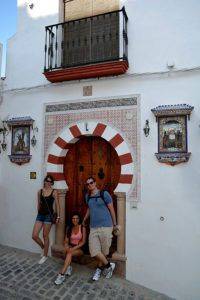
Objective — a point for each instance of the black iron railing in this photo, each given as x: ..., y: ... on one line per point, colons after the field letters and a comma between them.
x: 86, y: 41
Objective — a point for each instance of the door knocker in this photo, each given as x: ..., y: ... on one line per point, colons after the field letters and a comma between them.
x: 101, y: 174
x: 81, y: 168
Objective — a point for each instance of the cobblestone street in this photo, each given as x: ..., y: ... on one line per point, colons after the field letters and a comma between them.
x: 22, y: 278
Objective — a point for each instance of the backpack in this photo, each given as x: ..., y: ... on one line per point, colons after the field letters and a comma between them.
x: 100, y: 196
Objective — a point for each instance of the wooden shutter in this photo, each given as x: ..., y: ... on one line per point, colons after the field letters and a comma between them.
x: 94, y: 39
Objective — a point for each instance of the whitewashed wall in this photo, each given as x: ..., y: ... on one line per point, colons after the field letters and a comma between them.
x: 158, y: 252
x: 159, y: 32
x: 161, y: 255
x: 1, y: 88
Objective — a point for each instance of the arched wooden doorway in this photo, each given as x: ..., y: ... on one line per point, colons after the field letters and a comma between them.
x: 90, y: 156
x: 65, y: 168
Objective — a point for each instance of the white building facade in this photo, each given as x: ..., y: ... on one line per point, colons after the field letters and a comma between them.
x: 157, y: 195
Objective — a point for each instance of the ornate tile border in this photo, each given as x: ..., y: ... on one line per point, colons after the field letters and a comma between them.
x: 173, y: 158
x: 171, y: 110
x: 91, y: 104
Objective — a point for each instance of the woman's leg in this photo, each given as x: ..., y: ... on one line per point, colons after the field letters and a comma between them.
x: 46, y: 231
x: 36, y: 231
x: 68, y: 259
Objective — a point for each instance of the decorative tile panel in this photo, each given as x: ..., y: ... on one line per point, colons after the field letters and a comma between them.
x: 113, y: 112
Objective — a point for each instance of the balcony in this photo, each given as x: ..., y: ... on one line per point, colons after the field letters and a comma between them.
x: 90, y: 47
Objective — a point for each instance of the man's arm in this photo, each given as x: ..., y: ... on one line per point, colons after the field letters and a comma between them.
x: 112, y: 212
x: 86, y: 216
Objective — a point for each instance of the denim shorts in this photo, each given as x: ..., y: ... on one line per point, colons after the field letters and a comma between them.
x: 46, y: 219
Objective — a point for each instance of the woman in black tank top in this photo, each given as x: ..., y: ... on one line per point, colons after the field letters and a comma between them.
x: 46, y: 197
x: 46, y: 203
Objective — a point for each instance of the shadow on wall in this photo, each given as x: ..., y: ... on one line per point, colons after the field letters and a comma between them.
x: 3, y: 205
x: 25, y: 50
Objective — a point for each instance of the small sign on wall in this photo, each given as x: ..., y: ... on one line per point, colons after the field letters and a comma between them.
x: 33, y: 175
x: 87, y: 90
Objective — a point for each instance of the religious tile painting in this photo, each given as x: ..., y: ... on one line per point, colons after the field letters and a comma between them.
x: 172, y: 134
x: 20, y: 140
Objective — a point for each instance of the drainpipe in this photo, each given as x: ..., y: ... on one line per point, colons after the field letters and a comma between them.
x: 1, y: 79
x: 1, y: 89
x: 1, y: 52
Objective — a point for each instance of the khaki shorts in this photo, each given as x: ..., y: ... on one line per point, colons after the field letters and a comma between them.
x: 100, y: 240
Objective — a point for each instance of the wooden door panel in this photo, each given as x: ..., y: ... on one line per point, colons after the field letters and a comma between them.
x: 115, y: 169
x: 100, y: 153
x: 90, y: 156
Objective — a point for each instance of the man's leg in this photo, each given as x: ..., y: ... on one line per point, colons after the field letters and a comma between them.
x: 106, y: 241
x: 95, y: 251
x: 102, y: 260
x: 100, y: 240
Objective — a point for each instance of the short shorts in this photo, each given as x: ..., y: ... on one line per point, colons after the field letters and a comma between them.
x: 82, y: 248
x: 100, y: 240
x: 46, y: 219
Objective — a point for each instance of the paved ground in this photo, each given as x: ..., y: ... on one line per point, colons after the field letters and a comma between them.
x: 22, y: 278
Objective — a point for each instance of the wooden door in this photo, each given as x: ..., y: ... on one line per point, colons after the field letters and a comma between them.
x: 90, y: 156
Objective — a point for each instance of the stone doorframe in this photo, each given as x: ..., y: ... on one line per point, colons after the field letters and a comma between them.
x: 55, y: 167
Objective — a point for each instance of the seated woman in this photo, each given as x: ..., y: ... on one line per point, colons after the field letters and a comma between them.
x: 73, y: 243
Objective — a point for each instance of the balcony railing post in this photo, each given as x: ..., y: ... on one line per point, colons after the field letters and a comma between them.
x: 49, y: 49
x: 125, y: 36
x: 62, y: 46
x: 45, y: 51
x: 56, y: 47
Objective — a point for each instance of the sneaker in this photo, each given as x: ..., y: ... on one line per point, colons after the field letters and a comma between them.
x: 108, y: 272
x: 42, y: 260
x: 69, y: 271
x: 97, y: 274
x: 60, y: 279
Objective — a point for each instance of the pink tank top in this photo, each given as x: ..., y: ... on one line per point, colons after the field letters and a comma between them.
x: 76, y: 238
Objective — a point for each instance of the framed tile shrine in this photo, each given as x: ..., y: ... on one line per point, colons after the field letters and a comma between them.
x: 20, y: 142
x: 172, y: 133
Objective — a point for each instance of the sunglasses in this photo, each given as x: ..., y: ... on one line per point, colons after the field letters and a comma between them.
x: 89, y: 183
x: 48, y: 181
